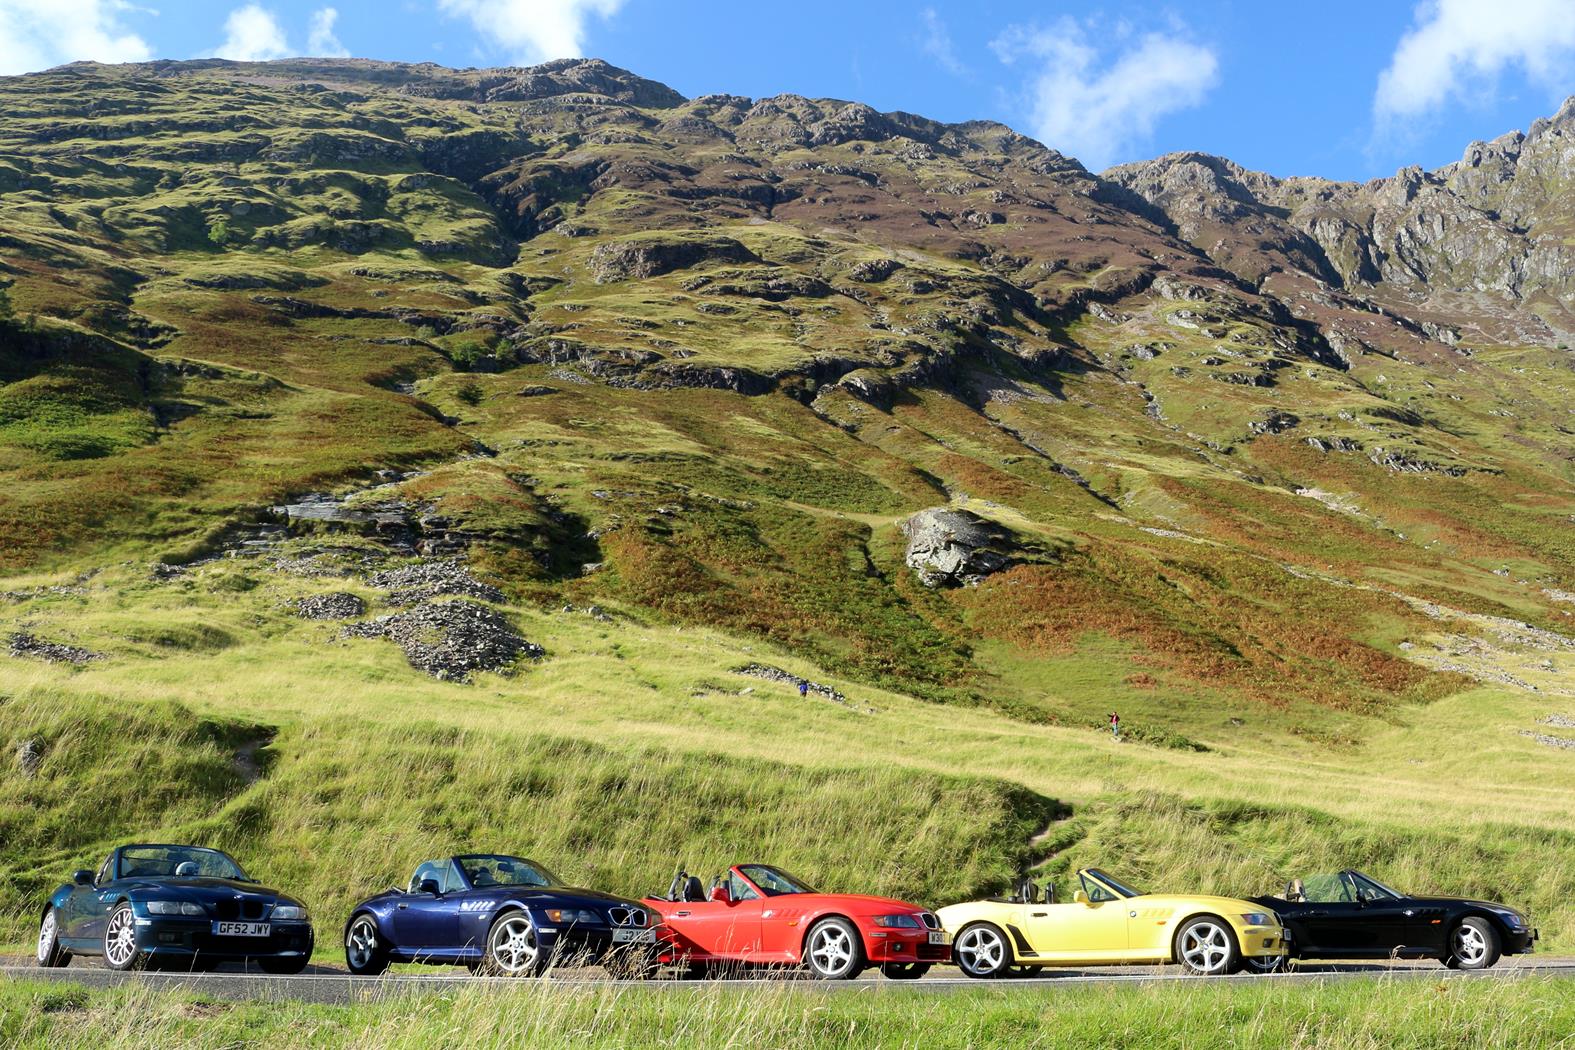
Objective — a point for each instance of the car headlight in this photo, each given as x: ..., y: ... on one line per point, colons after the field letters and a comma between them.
x: 1513, y: 919
x: 290, y: 913
x: 571, y: 915
x: 174, y: 908
x: 901, y: 922
x: 1259, y: 918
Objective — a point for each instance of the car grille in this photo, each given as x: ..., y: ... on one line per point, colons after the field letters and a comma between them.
x: 248, y: 908
x: 624, y: 916
x: 931, y: 921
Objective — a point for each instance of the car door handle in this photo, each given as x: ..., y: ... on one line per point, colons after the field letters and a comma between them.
x: 680, y: 914
x: 1039, y: 914
x: 402, y: 907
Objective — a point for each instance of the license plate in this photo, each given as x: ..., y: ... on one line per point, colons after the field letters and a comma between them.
x: 937, y: 937
x: 624, y: 936
x: 241, y: 929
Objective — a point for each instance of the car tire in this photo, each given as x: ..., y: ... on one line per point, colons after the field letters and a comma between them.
x: 1206, y: 946
x: 833, y: 950
x: 513, y: 946
x: 904, y: 971
x: 365, y: 953
x: 1266, y: 964
x: 50, y: 953
x: 286, y: 967
x: 120, y: 940
x: 1473, y: 945
x: 697, y: 971
x: 981, y: 950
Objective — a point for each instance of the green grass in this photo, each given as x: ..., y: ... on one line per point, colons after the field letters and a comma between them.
x: 1297, y: 1015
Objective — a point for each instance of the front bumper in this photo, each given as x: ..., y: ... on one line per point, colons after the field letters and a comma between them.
x: 895, y: 945
x: 1521, y: 942
x: 172, y: 937
x: 1264, y: 941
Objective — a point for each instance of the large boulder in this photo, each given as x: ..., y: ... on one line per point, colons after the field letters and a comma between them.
x: 949, y: 547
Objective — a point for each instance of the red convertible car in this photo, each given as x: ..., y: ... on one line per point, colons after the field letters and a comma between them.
x: 757, y: 915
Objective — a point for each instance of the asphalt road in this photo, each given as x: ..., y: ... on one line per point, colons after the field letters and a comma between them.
x: 324, y: 984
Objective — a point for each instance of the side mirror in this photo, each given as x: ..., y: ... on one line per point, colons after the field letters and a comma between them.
x: 430, y: 886
x: 720, y: 895
x: 1079, y: 897
x: 82, y: 878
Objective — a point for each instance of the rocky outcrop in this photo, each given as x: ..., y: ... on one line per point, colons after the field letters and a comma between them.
x: 949, y: 547
x: 642, y: 257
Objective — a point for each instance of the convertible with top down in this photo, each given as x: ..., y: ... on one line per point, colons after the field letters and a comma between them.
x: 1350, y: 915
x: 186, y: 907
x: 1109, y: 922
x: 500, y: 914
x: 759, y: 915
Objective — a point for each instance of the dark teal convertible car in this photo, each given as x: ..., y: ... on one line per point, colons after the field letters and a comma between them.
x: 180, y: 907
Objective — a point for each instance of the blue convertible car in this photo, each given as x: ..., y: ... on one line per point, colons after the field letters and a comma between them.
x: 182, y: 906
x: 500, y: 914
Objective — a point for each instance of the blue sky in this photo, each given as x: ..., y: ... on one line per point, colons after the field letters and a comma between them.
x: 1343, y: 88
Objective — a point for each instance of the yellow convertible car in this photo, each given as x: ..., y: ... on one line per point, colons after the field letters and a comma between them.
x: 1109, y: 922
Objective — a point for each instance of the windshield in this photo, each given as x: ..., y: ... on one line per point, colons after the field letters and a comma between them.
x: 485, y: 870
x: 1347, y: 887
x: 1370, y: 889
x: 1097, y: 892
x: 773, y: 882
x: 187, y: 862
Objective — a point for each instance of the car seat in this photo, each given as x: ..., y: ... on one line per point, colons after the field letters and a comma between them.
x: 1296, y: 891
x: 693, y: 892
x: 188, y: 869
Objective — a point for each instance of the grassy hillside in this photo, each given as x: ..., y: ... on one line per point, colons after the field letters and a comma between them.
x: 657, y: 384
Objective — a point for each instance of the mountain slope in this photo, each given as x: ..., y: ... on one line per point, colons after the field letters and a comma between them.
x: 1273, y: 467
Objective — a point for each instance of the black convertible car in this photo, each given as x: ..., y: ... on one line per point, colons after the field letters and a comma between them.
x: 182, y: 906
x: 1354, y: 916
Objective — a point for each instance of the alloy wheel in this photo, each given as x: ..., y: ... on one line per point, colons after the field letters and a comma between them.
x: 361, y: 944
x: 1470, y: 946
x: 980, y: 951
x: 120, y: 939
x: 831, y: 948
x: 1205, y: 947
x: 514, y: 946
x: 46, y: 937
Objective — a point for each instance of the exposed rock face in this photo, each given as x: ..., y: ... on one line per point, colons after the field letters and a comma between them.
x: 948, y: 547
x: 450, y: 640
x: 776, y: 674
x: 1493, y: 221
x: 642, y: 257
x: 338, y: 605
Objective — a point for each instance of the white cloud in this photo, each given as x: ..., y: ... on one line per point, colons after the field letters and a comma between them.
x: 1094, y: 102
x: 1455, y: 45
x: 38, y: 34
x: 531, y: 31
x: 937, y: 43
x: 321, y: 41
x: 253, y: 34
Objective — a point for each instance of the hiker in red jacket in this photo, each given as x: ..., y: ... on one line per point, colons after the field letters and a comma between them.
x: 1115, y: 725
